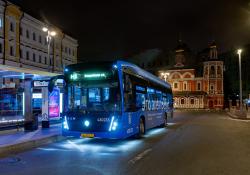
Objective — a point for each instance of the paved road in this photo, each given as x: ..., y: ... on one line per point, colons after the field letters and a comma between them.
x: 194, y: 143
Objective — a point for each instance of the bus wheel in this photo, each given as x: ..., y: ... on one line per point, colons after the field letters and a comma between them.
x: 141, y: 129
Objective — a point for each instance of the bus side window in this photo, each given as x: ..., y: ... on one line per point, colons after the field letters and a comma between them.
x: 140, y: 101
x: 127, y: 84
x: 129, y: 102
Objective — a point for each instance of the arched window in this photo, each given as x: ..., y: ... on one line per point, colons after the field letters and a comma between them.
x: 192, y: 101
x: 182, y: 101
x: 212, y: 71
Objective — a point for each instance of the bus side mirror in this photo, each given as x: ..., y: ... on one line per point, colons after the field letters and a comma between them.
x: 52, y: 82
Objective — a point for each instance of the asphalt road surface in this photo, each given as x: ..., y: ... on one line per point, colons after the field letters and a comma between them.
x: 194, y: 143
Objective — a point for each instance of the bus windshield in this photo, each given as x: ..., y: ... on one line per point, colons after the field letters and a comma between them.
x: 101, y: 96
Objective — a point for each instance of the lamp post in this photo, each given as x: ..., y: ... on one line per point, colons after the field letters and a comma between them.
x: 49, y: 36
x: 239, y: 53
x: 45, y: 105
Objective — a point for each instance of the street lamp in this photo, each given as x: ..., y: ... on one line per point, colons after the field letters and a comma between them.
x: 239, y: 53
x: 49, y: 36
x: 165, y: 75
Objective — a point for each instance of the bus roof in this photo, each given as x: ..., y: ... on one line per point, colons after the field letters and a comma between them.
x: 120, y: 63
x: 143, y: 73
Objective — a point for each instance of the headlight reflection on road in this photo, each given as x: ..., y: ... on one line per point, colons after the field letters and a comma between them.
x: 103, y: 148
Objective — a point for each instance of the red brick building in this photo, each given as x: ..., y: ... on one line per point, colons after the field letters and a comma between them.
x: 196, y: 89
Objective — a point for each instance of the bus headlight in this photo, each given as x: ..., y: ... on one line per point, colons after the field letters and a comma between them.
x: 86, y: 123
x: 65, y: 123
x: 113, y: 124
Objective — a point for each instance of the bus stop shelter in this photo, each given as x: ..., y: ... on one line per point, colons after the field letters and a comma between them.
x: 19, y: 90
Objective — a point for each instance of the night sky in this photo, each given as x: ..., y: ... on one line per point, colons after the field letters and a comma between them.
x: 113, y: 29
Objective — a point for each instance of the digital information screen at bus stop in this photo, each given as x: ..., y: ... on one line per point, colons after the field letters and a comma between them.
x: 54, y: 103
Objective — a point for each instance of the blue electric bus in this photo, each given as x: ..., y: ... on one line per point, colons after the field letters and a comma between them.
x: 113, y: 100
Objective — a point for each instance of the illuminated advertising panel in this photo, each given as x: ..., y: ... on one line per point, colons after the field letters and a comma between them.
x: 54, y: 103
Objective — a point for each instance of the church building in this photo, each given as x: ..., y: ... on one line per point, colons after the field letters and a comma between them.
x: 199, y: 85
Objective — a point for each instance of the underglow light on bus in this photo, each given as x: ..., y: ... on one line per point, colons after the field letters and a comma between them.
x: 61, y: 102
x: 95, y: 75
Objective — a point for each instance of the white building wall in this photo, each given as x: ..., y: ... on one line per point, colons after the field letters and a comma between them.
x: 39, y: 47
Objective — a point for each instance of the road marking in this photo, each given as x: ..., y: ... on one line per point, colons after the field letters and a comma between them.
x: 140, y: 156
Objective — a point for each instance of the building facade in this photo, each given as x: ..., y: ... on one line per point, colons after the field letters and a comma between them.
x: 195, y: 89
x: 24, y: 57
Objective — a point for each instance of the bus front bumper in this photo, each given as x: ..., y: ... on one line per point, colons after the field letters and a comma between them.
x: 107, y: 135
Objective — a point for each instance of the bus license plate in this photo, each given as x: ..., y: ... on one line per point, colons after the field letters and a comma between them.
x: 87, y: 135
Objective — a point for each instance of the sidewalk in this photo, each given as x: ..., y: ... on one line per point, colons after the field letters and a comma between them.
x: 234, y: 116
x: 14, y: 141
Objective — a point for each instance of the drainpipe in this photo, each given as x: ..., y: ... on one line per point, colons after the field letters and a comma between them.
x: 4, y: 21
x: 62, y: 52
x: 20, y: 39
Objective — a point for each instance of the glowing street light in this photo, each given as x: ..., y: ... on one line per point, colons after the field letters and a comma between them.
x: 45, y: 29
x: 165, y: 75
x: 49, y: 36
x: 239, y: 53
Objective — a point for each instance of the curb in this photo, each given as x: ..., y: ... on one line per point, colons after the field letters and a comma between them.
x: 24, y: 146
x: 236, y: 117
